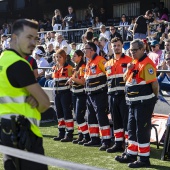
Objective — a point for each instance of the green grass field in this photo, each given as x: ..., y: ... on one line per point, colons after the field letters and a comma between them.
x: 89, y: 155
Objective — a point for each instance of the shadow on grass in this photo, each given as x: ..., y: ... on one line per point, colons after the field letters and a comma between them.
x: 48, y: 124
x: 160, y: 167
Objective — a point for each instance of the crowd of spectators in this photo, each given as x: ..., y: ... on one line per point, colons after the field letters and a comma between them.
x: 157, y: 38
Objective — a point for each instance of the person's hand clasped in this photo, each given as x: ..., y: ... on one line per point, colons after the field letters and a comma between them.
x: 130, y: 66
x: 31, y: 101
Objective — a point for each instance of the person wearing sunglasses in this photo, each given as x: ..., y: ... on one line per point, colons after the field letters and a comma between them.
x: 164, y: 78
x: 141, y: 27
x: 141, y: 90
x: 114, y: 33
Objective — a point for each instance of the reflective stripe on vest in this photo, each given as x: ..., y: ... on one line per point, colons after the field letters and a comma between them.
x: 95, y: 88
x: 8, y: 99
x: 77, y: 90
x: 116, y: 88
x: 114, y: 76
x: 95, y: 76
x: 140, y: 98
x: 62, y: 88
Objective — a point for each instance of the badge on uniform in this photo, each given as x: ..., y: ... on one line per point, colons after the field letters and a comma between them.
x: 108, y: 70
x: 150, y: 70
x: 93, y: 69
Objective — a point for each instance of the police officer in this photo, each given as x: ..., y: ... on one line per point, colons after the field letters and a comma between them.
x: 141, y: 95
x: 115, y: 68
x: 21, y: 96
x: 63, y: 100
x: 97, y: 104
x: 77, y: 82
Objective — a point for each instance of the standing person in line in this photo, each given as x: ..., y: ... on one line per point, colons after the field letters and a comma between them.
x: 115, y: 69
x: 141, y: 27
x: 97, y: 104
x: 21, y: 96
x: 57, y: 20
x: 79, y: 97
x: 141, y: 94
x: 63, y: 100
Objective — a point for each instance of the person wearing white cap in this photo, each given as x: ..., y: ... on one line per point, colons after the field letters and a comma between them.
x: 41, y: 61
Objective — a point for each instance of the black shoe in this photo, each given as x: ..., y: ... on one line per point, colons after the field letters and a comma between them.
x: 58, y: 138
x: 76, y: 141
x: 66, y: 139
x: 83, y: 141
x: 118, y: 156
x: 139, y: 164
x: 104, y: 147
x: 93, y: 143
x: 115, y: 148
x: 125, y: 159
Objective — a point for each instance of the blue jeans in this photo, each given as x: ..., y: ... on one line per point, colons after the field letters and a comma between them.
x: 139, y: 36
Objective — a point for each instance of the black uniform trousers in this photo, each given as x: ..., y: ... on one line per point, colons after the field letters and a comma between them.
x: 97, y: 109
x: 36, y: 147
x: 63, y: 105
x: 79, y: 105
x: 120, y: 111
x: 139, y: 123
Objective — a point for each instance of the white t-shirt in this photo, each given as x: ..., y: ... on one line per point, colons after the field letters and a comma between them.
x: 42, y: 63
x: 63, y: 44
x: 106, y: 35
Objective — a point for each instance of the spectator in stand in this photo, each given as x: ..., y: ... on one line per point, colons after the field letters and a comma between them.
x: 114, y: 33
x: 47, y: 37
x: 97, y: 22
x: 47, y: 25
x: 92, y: 11
x: 41, y: 62
x: 49, y: 53
x: 73, y: 49
x: 106, y: 48
x: 80, y: 46
x: 163, y: 15
x: 61, y: 43
x: 104, y: 32
x: 57, y: 20
x: 52, y: 34
x: 130, y: 30
x: 70, y: 19
x: 166, y: 48
x: 141, y: 27
x: 89, y: 38
x: 5, y: 41
x: 92, y: 30
x: 95, y: 40
x: 102, y: 16
x: 123, y: 22
x: 87, y: 17
x: 146, y: 46
x: 164, y: 78
x: 162, y: 7
x: 155, y: 54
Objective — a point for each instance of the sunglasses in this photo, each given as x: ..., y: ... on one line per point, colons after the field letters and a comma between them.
x: 167, y: 59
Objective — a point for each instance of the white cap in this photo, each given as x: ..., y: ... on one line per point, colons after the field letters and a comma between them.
x: 38, y: 52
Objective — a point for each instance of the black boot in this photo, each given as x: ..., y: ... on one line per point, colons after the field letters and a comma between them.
x: 95, y: 141
x: 86, y: 139
x: 68, y: 137
x: 60, y: 135
x: 80, y: 138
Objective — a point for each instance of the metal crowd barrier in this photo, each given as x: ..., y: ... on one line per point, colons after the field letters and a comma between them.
x: 44, y: 159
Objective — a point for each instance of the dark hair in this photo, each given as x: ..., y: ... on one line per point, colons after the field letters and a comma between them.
x: 95, y: 39
x: 92, y: 45
x: 148, y: 12
x: 19, y: 24
x: 116, y: 39
x: 42, y: 49
x: 73, y: 43
x: 89, y: 35
x: 80, y: 53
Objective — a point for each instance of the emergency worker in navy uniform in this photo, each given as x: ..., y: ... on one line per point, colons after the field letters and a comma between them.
x: 21, y: 96
x: 97, y: 104
x: 141, y: 95
x: 115, y: 69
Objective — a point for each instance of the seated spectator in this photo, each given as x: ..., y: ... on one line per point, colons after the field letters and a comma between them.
x: 73, y: 49
x: 155, y: 54
x: 90, y: 29
x: 106, y: 47
x: 61, y: 43
x: 164, y: 78
x: 97, y: 22
x: 114, y: 33
x: 104, y: 33
x: 95, y: 40
x: 41, y: 62
x: 146, y: 46
x: 5, y: 41
x: 49, y: 53
x: 52, y: 35
x: 130, y: 30
x: 80, y: 46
